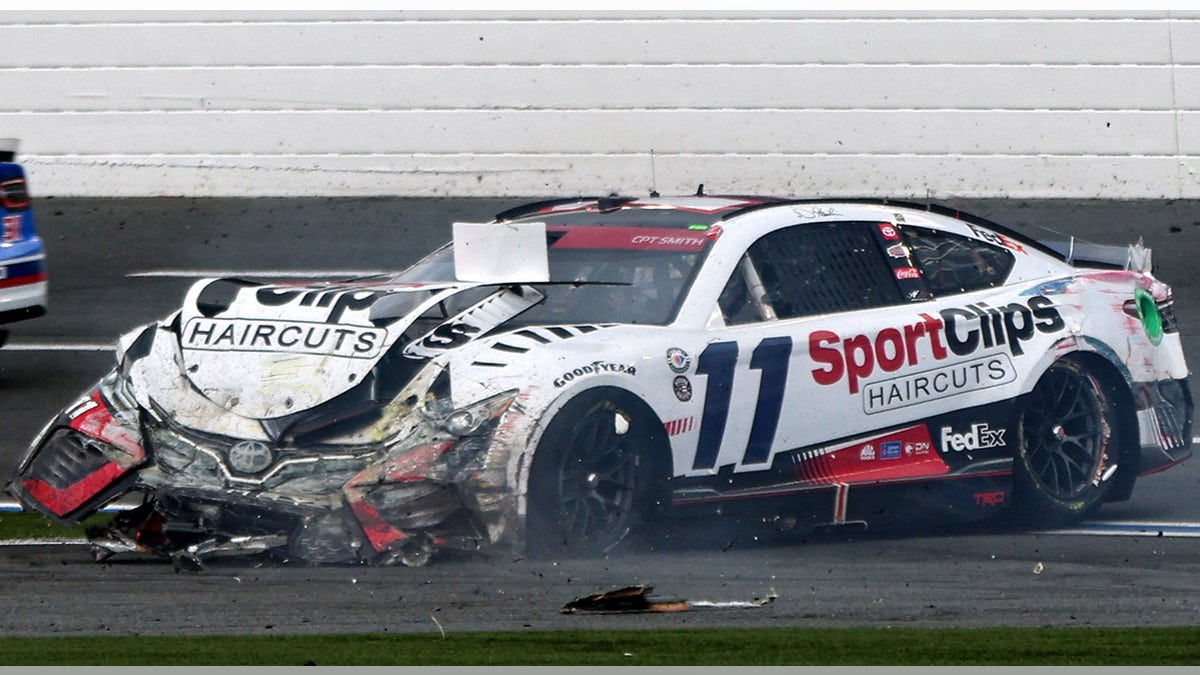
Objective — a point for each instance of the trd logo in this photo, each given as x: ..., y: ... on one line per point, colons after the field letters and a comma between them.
x: 979, y: 437
x: 989, y: 498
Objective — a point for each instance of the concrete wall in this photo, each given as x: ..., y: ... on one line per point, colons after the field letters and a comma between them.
x: 914, y: 104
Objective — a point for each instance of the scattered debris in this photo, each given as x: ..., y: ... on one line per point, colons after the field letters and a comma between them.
x: 623, y: 600
x: 633, y: 599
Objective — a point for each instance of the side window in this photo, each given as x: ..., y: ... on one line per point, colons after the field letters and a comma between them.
x: 954, y: 264
x: 810, y: 269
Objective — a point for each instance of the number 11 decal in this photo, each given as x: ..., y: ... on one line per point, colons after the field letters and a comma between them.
x: 717, y: 361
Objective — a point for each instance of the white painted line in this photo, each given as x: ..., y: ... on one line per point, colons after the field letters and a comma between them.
x: 290, y: 274
x: 10, y: 506
x: 53, y: 347
x: 1164, y: 530
x: 28, y: 258
x: 43, y: 542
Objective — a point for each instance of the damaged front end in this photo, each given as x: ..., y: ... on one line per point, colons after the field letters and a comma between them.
x: 84, y: 458
x: 206, y: 496
x: 231, y: 459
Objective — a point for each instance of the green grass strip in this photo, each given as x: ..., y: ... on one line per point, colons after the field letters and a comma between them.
x: 776, y: 646
x: 27, y: 525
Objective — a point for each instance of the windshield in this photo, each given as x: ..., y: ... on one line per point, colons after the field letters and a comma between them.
x: 601, y: 274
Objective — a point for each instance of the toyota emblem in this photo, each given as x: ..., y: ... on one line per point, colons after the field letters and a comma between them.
x: 250, y: 456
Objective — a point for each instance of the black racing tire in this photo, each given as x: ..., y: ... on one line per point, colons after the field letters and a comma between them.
x: 1068, y: 438
x: 595, y: 477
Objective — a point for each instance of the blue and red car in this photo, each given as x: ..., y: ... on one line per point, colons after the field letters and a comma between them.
x: 23, y: 284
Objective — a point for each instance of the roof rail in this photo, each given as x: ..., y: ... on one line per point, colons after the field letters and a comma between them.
x: 938, y: 209
x: 531, y: 208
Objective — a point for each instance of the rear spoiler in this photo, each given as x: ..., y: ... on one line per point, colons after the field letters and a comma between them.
x: 8, y: 149
x: 1135, y: 257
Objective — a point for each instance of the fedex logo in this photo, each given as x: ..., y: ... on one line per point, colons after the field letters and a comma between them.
x: 997, y: 239
x: 979, y: 437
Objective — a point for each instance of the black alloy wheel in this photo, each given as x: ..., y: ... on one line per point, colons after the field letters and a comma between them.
x: 1068, y: 446
x: 590, y: 483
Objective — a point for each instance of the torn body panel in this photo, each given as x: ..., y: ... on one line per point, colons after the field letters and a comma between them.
x: 85, y: 458
x: 358, y: 486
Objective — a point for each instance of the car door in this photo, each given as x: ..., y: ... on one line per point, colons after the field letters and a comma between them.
x: 831, y: 286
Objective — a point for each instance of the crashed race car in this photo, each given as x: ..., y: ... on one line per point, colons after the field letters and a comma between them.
x: 561, y: 377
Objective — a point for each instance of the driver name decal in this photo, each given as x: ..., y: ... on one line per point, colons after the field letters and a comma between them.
x: 631, y: 238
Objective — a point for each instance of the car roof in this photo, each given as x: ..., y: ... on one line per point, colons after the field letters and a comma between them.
x: 691, y: 210
x: 706, y: 210
x: 617, y: 210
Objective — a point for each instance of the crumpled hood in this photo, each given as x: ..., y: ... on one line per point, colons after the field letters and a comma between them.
x: 265, y: 351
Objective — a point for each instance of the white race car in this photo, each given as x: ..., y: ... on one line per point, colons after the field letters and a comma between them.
x: 558, y: 378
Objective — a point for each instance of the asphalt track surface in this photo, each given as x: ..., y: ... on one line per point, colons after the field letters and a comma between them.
x: 115, y: 264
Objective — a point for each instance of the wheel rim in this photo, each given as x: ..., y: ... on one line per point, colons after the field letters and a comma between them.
x: 1064, y: 433
x: 597, y: 479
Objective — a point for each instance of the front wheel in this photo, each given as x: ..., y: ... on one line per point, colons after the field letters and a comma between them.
x: 1068, y: 441
x: 593, y: 480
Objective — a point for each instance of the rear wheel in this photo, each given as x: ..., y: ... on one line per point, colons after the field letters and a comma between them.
x: 1068, y: 439
x: 593, y: 479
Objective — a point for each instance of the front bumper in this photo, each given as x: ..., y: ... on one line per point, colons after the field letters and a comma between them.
x: 333, y: 504
x: 23, y: 285
x: 429, y: 488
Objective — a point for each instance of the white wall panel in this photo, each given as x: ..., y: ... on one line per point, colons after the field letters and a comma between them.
x: 616, y: 132
x: 838, y: 87
x: 586, y: 41
x: 904, y: 104
x: 916, y: 177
